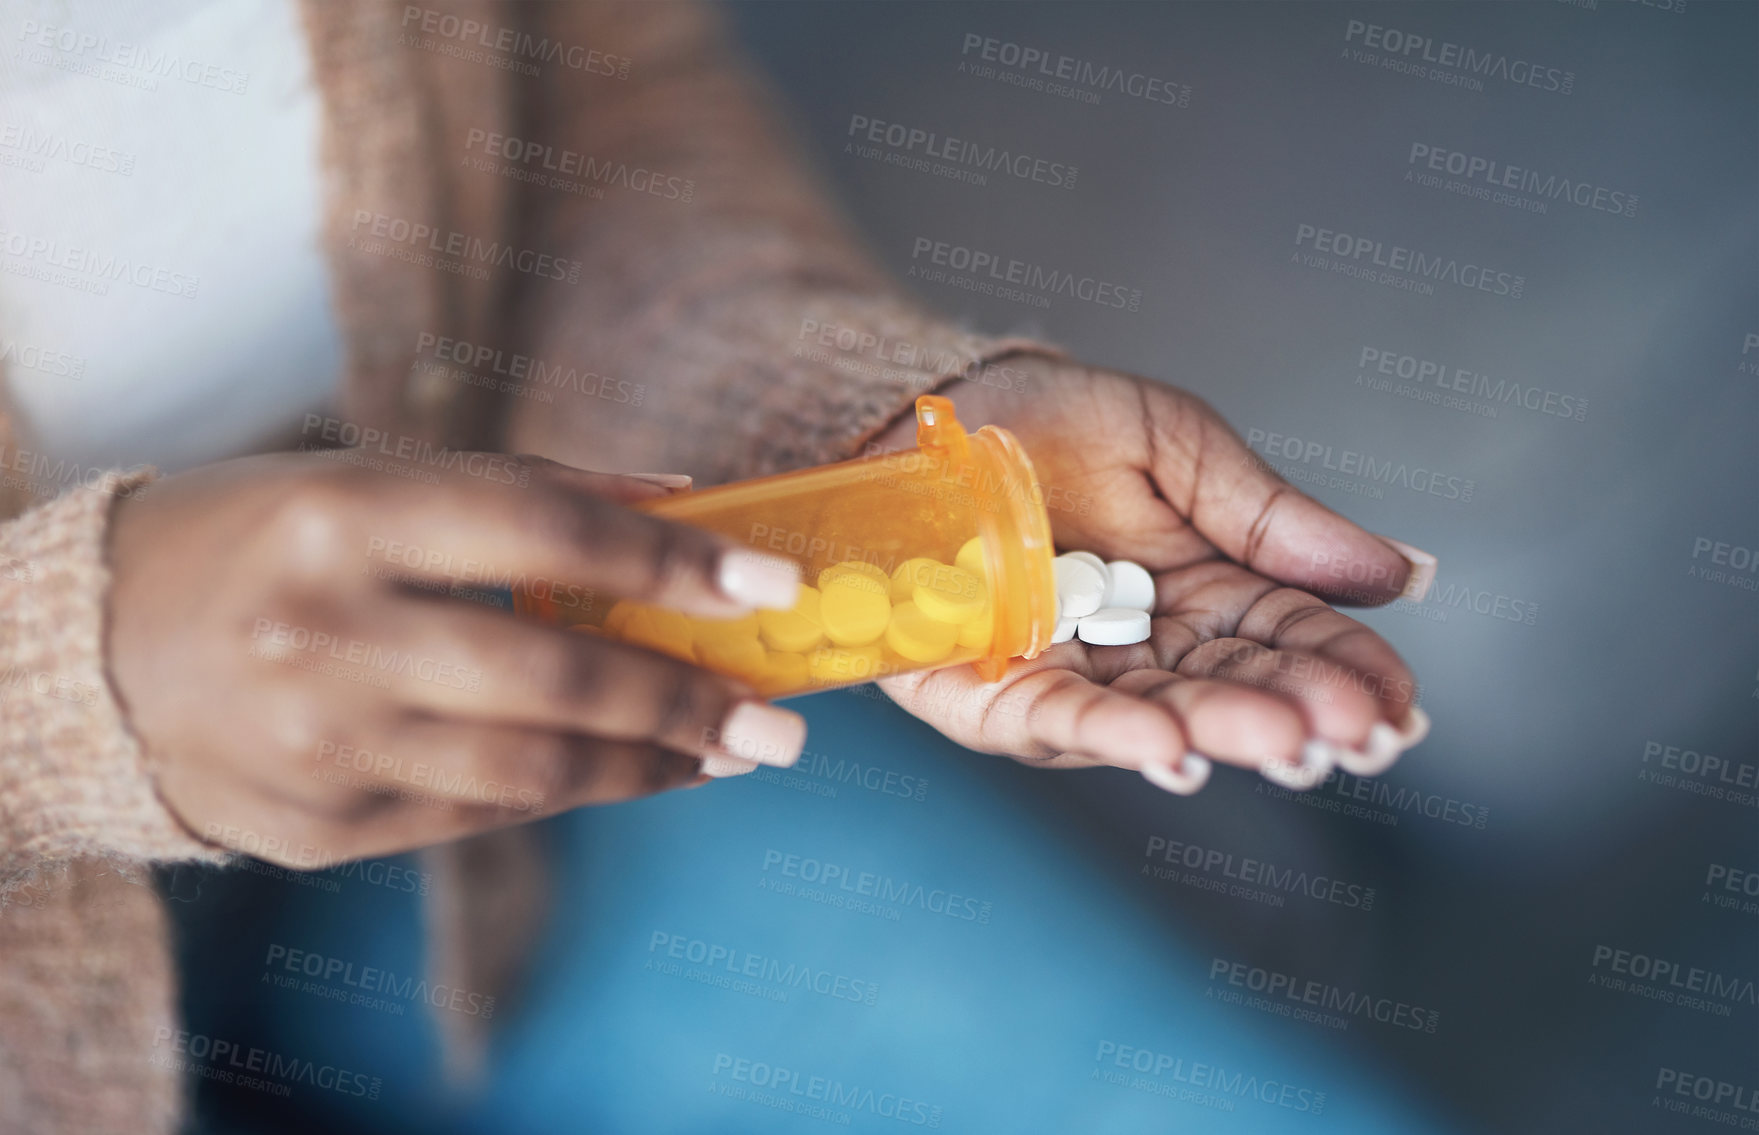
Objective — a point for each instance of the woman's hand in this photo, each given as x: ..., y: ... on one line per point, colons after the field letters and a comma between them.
x: 1245, y: 664
x: 282, y: 638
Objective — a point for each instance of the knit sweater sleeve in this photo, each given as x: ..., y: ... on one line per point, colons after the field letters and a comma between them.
x: 73, y: 779
x: 741, y: 327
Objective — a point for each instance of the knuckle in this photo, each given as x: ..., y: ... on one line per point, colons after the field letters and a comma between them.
x: 566, y: 672
x: 550, y: 765
x: 677, y: 557
x: 687, y: 705
x: 312, y: 523
x: 568, y: 520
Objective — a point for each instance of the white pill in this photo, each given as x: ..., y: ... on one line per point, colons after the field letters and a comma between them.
x: 1091, y: 560
x: 1080, y: 587
x: 1130, y: 586
x: 1114, y: 626
x: 1065, y: 630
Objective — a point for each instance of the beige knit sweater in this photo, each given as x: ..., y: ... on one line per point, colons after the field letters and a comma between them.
x: 701, y: 302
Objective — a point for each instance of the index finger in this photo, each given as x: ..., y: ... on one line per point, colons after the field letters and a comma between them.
x: 541, y: 519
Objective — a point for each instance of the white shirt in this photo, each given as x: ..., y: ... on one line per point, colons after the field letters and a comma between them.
x: 164, y: 296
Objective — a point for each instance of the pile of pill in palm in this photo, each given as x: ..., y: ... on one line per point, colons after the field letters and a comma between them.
x: 1100, y: 603
x: 857, y: 622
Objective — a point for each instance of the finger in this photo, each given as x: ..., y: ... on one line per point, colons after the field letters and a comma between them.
x: 1042, y: 711
x: 1251, y: 514
x: 556, y: 526
x: 1232, y: 723
x: 458, y: 660
x: 1361, y: 660
x: 1334, y: 712
x: 585, y: 771
x: 1220, y: 600
x: 520, y: 769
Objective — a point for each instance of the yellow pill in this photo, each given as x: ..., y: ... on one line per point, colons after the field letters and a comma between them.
x: 977, y: 633
x: 665, y: 631
x: 844, y: 664
x: 917, y: 637
x: 970, y: 555
x: 783, y: 672
x: 952, y: 595
x: 618, y: 615
x: 909, y: 574
x: 795, y: 631
x: 740, y: 657
x: 724, y: 630
x: 853, y: 612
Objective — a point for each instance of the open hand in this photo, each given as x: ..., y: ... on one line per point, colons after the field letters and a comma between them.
x: 1246, y: 663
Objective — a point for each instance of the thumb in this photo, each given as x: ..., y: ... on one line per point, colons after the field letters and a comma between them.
x: 1242, y: 506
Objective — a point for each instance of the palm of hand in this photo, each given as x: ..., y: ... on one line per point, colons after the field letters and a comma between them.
x: 1242, y: 665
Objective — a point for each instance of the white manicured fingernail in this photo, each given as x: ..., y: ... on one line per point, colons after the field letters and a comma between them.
x: 1318, y: 758
x: 759, y: 733
x: 1415, y: 729
x: 757, y: 580
x: 672, y: 481
x: 1376, y: 756
x: 1423, y: 567
x: 719, y: 767
x: 1183, y: 779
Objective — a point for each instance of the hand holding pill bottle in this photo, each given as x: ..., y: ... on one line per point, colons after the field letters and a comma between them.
x: 920, y: 559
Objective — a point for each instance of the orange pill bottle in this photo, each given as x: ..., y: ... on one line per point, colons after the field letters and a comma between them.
x: 913, y: 560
